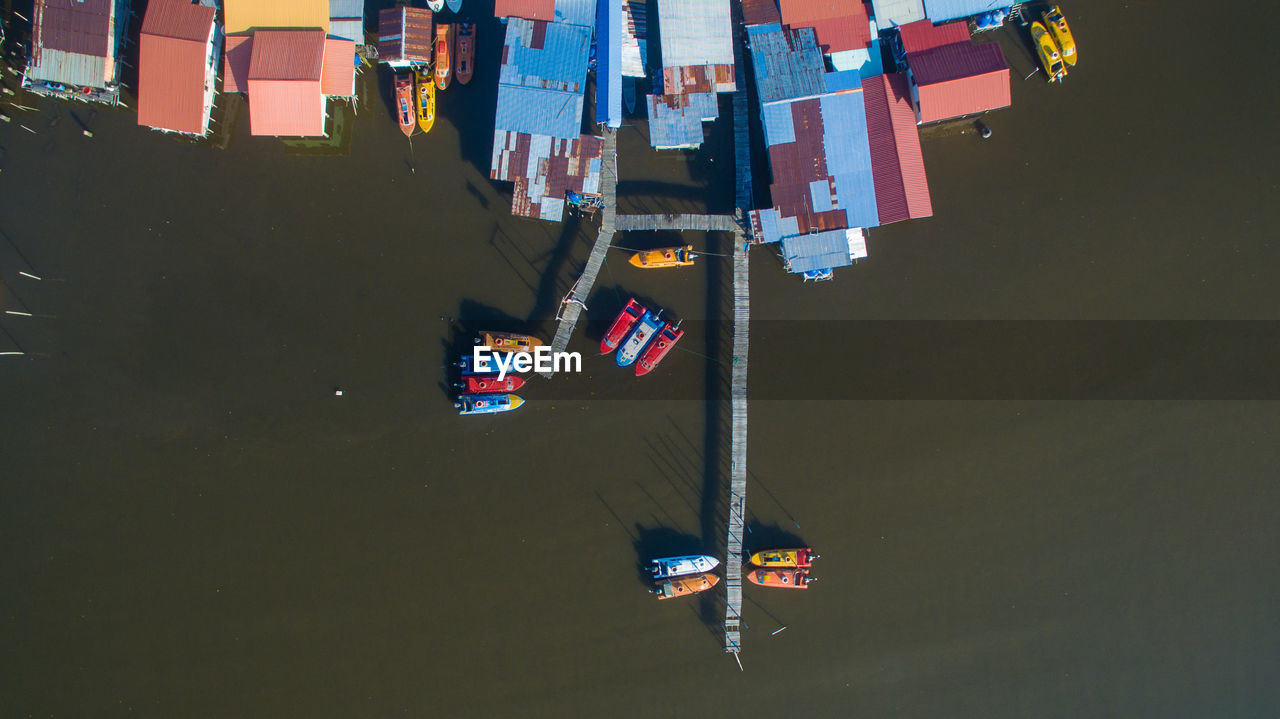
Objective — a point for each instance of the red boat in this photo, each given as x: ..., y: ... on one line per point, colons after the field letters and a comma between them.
x: 626, y: 319
x: 659, y: 348
x: 489, y: 383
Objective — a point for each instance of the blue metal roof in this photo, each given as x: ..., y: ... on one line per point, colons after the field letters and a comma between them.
x: 346, y: 9
x: 539, y: 112
x: 787, y: 65
x: 609, y: 64
x: 818, y: 251
x: 576, y: 12
x: 679, y: 127
x: 560, y: 64
x: 848, y: 154
x: 896, y: 12
x: 942, y: 10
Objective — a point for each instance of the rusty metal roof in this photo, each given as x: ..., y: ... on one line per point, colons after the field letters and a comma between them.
x: 404, y: 34
x: 79, y: 26
x: 760, y: 12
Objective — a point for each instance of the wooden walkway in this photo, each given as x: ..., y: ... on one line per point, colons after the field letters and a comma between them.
x: 704, y: 223
x: 576, y: 301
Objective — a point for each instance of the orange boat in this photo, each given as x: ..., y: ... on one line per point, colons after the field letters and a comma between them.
x: 508, y: 341
x: 466, y: 51
x: 444, y: 55
x: 685, y: 586
x: 404, y: 103
x: 791, y: 578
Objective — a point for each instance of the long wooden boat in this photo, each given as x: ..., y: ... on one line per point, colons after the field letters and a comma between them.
x: 665, y: 257
x: 667, y: 338
x: 685, y: 586
x: 1057, y: 24
x: 426, y: 99
x: 622, y: 324
x: 404, y: 103
x: 508, y: 341
x: 638, y: 338
x: 782, y: 578
x: 490, y: 384
x: 444, y: 55
x: 798, y: 557
x: 465, y: 51
x: 1050, y: 58
x: 487, y: 403
x: 668, y: 567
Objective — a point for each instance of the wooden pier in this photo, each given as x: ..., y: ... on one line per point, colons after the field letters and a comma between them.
x: 704, y: 223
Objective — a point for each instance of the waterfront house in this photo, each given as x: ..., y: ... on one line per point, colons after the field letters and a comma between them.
x: 609, y: 35
x: 405, y: 36
x: 75, y: 49
x: 958, y: 80
x: 573, y: 12
x: 346, y: 20
x: 892, y: 13
x: 760, y: 12
x: 696, y: 47
x: 943, y: 10
x: 897, y: 164
x: 924, y: 35
x: 178, y: 58
x: 844, y: 30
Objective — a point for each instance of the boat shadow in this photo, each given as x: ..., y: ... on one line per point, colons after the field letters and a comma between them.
x: 653, y: 542
x: 760, y: 537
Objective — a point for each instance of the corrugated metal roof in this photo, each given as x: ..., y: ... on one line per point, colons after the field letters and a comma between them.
x: 172, y: 69
x: 940, y: 10
x: 556, y: 113
x: 338, y: 77
x: 959, y: 60
x: 178, y: 19
x: 817, y: 251
x: 405, y: 34
x: 675, y: 121
x: 544, y: 169
x: 897, y: 165
x: 527, y: 9
x: 287, y: 55
x: 82, y: 27
x: 576, y: 12
x: 237, y: 52
x: 866, y: 62
x: 346, y: 9
x: 558, y: 63
x: 242, y: 15
x: 964, y: 96
x: 609, y: 64
x: 695, y: 33
x: 924, y: 35
x: 634, y: 37
x: 287, y: 108
x: 840, y: 24
x: 347, y: 29
x: 72, y: 68
x: 760, y: 12
x: 896, y: 12
x: 787, y: 63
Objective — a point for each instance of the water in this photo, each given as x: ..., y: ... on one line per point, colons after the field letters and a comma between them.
x: 195, y: 526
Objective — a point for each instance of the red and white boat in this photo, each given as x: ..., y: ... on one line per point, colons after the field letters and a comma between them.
x: 489, y: 383
x: 657, y: 349
x: 625, y: 320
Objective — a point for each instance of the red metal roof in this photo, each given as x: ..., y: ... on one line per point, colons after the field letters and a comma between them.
x: 236, y: 54
x: 897, y: 165
x: 171, y: 66
x: 287, y: 55
x: 81, y: 26
x: 288, y: 108
x: 528, y: 9
x: 839, y: 24
x: 923, y: 35
x: 960, y: 79
x: 760, y: 12
x: 339, y: 73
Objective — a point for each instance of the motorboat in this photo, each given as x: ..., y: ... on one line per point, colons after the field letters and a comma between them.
x: 782, y: 578
x: 487, y: 403
x: 490, y: 384
x: 508, y: 341
x: 426, y: 99
x: 665, y: 257
x: 622, y: 324
x: 638, y: 338
x: 667, y: 338
x: 1050, y: 58
x: 685, y: 586
x: 404, y: 103
x: 1057, y: 24
x: 465, y: 51
x: 444, y: 55
x: 799, y: 557
x: 668, y: 567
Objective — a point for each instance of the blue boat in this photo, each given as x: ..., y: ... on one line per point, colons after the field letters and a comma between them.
x: 487, y: 403
x: 644, y: 332
x: 465, y: 365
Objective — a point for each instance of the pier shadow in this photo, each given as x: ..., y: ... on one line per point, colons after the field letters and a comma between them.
x: 553, y: 284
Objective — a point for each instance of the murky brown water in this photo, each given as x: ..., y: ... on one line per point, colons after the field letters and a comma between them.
x: 194, y: 526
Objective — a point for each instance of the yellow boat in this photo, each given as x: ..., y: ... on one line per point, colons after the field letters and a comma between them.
x: 665, y: 257
x: 1050, y: 58
x: 426, y: 100
x: 508, y: 341
x: 799, y: 557
x: 1061, y: 34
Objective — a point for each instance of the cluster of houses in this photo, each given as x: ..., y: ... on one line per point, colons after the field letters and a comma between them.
x: 289, y: 57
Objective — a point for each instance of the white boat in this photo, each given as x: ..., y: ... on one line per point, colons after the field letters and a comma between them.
x: 667, y: 567
x: 435, y: 5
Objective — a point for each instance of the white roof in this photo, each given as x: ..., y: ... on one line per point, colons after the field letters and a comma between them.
x: 695, y: 32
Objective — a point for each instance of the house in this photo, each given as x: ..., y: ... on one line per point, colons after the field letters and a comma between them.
x: 574, y: 12
x: 891, y: 13
x: 346, y: 20
x: 943, y: 10
x: 75, y: 49
x: 958, y: 80
x: 177, y: 66
x: 697, y: 62
x: 897, y: 164
x: 609, y: 35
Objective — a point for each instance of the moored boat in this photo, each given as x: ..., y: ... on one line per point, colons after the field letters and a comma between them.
x: 464, y: 365
x: 465, y: 51
x: 685, y: 586
x: 444, y: 55
x: 1057, y: 24
x: 653, y: 354
x: 487, y: 403
x: 1050, y: 58
x: 490, y: 384
x: 454, y: 5
x: 638, y: 338
x: 783, y: 578
x: 799, y: 557
x: 665, y: 257
x: 508, y: 341
x: 426, y: 100
x: 622, y: 324
x: 668, y: 567
x: 435, y: 5
x: 404, y: 103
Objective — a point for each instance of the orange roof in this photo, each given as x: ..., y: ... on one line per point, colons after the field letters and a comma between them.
x: 171, y: 67
x: 839, y: 24
x: 286, y: 107
x: 242, y: 15
x: 338, y: 76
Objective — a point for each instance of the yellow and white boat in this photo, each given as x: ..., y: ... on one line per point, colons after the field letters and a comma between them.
x: 426, y: 100
x: 1061, y: 34
x: 665, y: 257
x: 1050, y: 58
x: 508, y: 341
x: 798, y: 557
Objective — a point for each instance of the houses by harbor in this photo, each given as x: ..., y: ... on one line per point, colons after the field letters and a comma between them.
x: 75, y: 49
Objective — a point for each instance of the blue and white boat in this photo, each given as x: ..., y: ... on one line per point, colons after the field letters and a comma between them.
x: 487, y: 403
x: 680, y: 566
x: 644, y: 332
x: 464, y: 364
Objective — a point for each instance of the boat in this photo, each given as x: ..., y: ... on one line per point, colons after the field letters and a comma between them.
x: 466, y: 371
x: 435, y: 5
x: 1057, y: 25
x: 465, y: 51
x: 665, y: 257
x: 487, y: 403
x: 668, y: 567
x: 1050, y: 58
x: 444, y: 55
x: 490, y: 384
x: 639, y: 336
x: 685, y: 586
x: 508, y: 341
x: 426, y: 100
x: 798, y: 557
x: 454, y: 5
x: 404, y: 103
x: 782, y: 578
x: 653, y: 354
x: 622, y: 324
x: 629, y: 95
